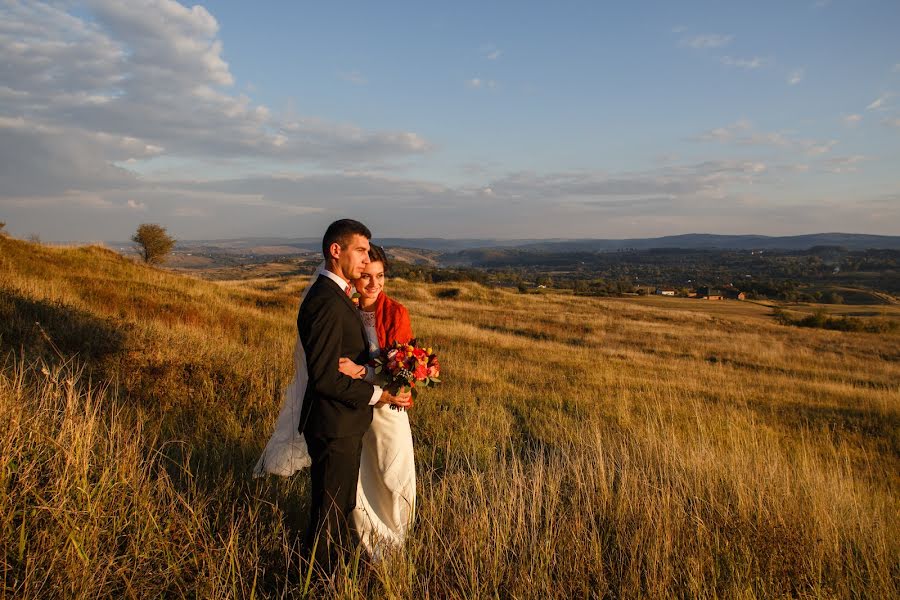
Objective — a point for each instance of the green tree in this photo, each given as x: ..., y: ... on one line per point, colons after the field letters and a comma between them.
x: 581, y: 286
x: 154, y: 242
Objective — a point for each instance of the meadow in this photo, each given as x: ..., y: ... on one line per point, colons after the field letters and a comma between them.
x: 579, y: 447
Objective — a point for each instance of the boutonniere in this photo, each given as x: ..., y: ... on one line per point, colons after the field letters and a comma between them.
x: 355, y: 299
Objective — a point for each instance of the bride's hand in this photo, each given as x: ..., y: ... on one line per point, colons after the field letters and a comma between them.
x: 351, y: 369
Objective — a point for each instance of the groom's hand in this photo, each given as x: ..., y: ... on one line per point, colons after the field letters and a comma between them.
x: 351, y: 369
x: 402, y: 399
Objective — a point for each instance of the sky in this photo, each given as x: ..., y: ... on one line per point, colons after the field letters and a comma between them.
x: 485, y: 119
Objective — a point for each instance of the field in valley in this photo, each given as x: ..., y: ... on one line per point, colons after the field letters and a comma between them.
x: 580, y: 447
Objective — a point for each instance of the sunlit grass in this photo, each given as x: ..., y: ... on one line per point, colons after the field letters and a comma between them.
x: 579, y: 447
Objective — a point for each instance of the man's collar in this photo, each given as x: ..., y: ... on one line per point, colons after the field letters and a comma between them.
x: 342, y: 283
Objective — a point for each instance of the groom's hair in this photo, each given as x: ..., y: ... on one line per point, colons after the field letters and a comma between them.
x: 340, y: 232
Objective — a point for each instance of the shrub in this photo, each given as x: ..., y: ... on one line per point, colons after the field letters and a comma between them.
x: 821, y: 320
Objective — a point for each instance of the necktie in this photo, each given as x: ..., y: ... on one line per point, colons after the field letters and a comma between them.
x: 347, y: 290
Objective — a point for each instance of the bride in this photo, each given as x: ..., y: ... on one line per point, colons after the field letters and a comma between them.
x: 386, y: 492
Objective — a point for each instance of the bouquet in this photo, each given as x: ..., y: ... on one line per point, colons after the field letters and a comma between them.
x: 408, y: 366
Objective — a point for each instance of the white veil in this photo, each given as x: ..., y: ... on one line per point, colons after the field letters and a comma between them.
x: 286, y: 451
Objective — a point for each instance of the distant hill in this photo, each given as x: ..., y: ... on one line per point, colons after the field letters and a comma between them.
x: 691, y: 241
x: 279, y: 245
x: 700, y: 241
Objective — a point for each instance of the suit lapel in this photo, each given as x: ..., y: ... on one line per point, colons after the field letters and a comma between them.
x: 349, y: 303
x: 337, y: 290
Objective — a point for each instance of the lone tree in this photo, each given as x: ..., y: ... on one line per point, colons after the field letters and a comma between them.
x: 154, y: 242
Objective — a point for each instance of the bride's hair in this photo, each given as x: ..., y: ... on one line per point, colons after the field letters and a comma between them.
x: 377, y: 254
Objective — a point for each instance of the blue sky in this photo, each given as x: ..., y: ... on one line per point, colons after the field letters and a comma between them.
x: 501, y: 119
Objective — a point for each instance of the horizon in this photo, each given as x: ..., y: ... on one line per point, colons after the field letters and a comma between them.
x: 315, y: 240
x: 227, y: 120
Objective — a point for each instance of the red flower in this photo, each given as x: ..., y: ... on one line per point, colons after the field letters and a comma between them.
x: 421, y: 372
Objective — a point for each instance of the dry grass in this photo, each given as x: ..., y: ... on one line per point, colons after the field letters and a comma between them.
x: 579, y: 447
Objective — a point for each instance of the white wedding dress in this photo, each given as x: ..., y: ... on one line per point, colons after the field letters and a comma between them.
x: 386, y: 492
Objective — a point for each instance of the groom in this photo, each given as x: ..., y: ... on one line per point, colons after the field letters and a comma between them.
x: 337, y: 410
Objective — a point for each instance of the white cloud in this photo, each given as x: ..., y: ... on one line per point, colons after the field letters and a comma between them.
x: 41, y: 160
x: 853, y: 119
x: 844, y: 164
x: 892, y: 122
x: 878, y: 103
x: 145, y: 78
x: 354, y: 77
x: 743, y: 63
x: 743, y: 133
x: 710, y: 178
x: 795, y: 168
x: 477, y: 82
x: 816, y: 148
x: 766, y: 138
x: 679, y: 29
x: 282, y: 204
x: 727, y: 133
x: 490, y: 51
x: 710, y: 195
x: 190, y: 212
x: 707, y: 40
x: 795, y: 77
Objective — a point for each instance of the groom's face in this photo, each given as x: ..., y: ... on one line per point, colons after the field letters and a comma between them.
x: 354, y: 258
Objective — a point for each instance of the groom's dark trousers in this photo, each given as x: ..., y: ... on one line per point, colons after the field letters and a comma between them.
x: 336, y: 413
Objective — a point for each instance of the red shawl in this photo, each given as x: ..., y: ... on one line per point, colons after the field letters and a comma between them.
x: 391, y: 322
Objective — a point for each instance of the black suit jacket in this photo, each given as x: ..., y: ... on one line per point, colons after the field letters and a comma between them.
x: 334, y: 405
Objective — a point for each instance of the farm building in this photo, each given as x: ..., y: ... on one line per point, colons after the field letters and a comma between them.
x: 707, y: 293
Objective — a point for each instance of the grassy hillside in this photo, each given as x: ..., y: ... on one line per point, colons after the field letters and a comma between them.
x: 579, y: 447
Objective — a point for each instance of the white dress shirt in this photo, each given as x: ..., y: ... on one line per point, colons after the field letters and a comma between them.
x: 370, y: 372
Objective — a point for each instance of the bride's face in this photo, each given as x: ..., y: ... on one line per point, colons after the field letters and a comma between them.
x: 371, y: 282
